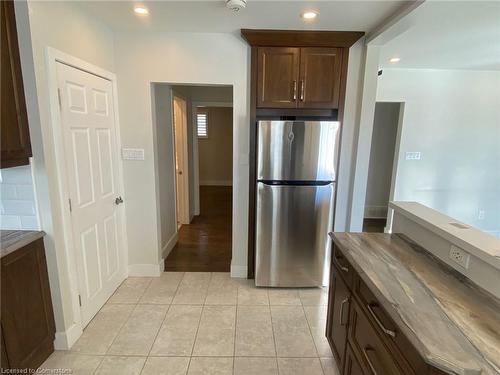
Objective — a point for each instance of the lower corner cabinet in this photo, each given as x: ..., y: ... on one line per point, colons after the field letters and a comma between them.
x: 27, y: 320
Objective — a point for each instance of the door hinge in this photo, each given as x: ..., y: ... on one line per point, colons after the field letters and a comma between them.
x: 80, y: 300
x: 59, y: 97
x: 70, y: 206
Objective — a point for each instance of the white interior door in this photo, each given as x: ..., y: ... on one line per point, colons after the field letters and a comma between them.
x: 91, y: 153
x: 180, y: 124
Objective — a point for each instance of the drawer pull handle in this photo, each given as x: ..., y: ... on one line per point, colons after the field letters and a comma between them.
x: 302, y: 91
x: 341, y: 317
x: 367, y: 357
x: 343, y: 268
x: 294, y: 90
x: 389, y: 332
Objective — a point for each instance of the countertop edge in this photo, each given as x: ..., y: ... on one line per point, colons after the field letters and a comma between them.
x: 24, y: 239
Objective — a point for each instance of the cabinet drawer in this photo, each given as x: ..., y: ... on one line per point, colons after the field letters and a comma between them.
x: 369, y: 347
x: 397, y: 343
x: 344, y: 268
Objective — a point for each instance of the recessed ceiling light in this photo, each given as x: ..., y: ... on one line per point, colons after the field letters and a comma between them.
x: 141, y: 10
x: 394, y: 60
x: 309, y: 15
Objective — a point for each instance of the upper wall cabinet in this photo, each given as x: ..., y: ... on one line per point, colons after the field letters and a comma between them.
x: 15, y: 140
x: 298, y: 77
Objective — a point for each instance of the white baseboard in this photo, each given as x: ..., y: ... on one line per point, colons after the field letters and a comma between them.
x: 144, y: 270
x: 169, y: 245
x: 64, y: 340
x: 216, y: 183
x: 375, y: 212
x: 239, y: 272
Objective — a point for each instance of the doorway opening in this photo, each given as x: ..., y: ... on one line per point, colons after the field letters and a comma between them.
x: 201, y: 165
x: 382, y: 172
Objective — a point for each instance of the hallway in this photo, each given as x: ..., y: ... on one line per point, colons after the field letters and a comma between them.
x: 205, y: 244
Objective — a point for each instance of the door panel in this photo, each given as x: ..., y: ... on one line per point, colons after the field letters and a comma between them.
x: 352, y: 366
x: 320, y: 70
x: 91, y: 153
x: 338, y: 315
x: 292, y: 245
x: 278, y: 71
x: 297, y: 150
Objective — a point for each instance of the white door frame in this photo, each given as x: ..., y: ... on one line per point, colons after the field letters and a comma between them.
x: 196, y: 161
x: 54, y: 56
x: 184, y: 219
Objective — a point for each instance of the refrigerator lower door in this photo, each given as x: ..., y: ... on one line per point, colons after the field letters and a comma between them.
x: 292, y: 243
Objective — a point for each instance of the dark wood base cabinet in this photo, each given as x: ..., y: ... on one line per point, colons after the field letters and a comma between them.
x: 27, y: 319
x: 363, y: 338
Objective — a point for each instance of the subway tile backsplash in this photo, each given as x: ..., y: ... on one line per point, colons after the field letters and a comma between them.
x: 17, y: 199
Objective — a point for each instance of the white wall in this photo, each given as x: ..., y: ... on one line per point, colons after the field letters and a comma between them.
x: 165, y: 192
x: 215, y: 151
x: 385, y: 126
x: 142, y: 58
x: 64, y: 26
x: 452, y: 118
x: 18, y: 208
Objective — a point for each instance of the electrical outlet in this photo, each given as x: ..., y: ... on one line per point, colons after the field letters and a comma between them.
x: 459, y: 256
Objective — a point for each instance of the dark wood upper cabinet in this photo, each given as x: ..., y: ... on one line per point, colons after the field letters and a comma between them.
x: 278, y: 76
x: 298, y: 77
x: 15, y: 139
x: 320, y: 77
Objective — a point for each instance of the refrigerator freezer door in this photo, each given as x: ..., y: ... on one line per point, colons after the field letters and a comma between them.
x: 297, y: 150
x: 292, y: 244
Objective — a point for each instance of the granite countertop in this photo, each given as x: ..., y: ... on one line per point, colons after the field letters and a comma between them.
x: 453, y: 324
x: 11, y: 240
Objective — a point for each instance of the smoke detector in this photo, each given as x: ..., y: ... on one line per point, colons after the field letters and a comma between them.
x: 236, y: 5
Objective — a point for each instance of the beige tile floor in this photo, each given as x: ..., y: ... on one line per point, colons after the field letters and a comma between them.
x: 203, y: 323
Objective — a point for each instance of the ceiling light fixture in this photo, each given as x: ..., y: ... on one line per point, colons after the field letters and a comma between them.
x: 309, y: 15
x: 139, y: 9
x: 394, y: 60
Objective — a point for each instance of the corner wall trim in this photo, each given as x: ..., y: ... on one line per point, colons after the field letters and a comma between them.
x: 144, y: 270
x: 239, y: 272
x: 65, y: 339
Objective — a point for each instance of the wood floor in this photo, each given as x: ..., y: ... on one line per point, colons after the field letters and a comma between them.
x: 205, y: 244
x: 374, y: 225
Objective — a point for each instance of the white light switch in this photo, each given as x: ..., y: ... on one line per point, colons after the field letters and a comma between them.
x: 415, y: 155
x: 132, y: 153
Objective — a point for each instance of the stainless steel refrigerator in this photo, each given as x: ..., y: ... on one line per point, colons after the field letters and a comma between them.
x: 296, y: 178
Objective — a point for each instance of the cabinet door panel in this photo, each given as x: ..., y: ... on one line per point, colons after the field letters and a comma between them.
x: 352, y: 366
x: 15, y: 142
x: 338, y: 315
x: 27, y: 317
x: 278, y: 70
x: 320, y: 70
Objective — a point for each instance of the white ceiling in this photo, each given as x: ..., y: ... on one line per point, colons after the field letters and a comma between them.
x: 448, y: 35
x: 213, y: 16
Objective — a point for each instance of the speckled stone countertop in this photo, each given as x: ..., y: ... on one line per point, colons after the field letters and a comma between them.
x: 453, y: 324
x: 11, y: 240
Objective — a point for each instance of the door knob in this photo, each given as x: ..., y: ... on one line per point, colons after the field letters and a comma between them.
x: 118, y: 200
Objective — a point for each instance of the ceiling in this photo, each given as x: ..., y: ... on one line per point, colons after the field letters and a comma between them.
x: 448, y: 35
x: 213, y: 16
